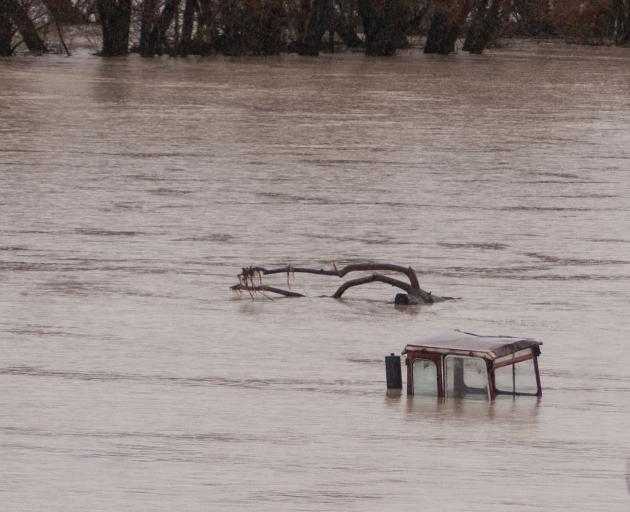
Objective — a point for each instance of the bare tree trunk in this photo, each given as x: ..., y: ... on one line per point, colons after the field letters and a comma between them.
x: 443, y: 32
x: 446, y: 26
x: 477, y: 21
x: 115, y: 18
x: 171, y: 7
x: 316, y: 24
x: 154, y: 26
x: 302, y: 12
x: 271, y: 28
x: 345, y: 24
x: 385, y: 23
x: 484, y: 26
x: 16, y: 12
x: 190, y: 7
x: 205, y: 36
x: 61, y: 39
x: 413, y: 22
x: 6, y: 35
x: 622, y: 21
x: 232, y: 28
x: 148, y: 32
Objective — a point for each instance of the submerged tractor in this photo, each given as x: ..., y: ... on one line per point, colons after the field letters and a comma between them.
x: 466, y: 365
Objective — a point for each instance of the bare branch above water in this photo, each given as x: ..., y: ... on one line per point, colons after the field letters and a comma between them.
x: 251, y: 280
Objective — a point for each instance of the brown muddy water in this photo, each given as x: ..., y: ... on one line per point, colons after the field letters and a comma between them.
x: 132, y: 191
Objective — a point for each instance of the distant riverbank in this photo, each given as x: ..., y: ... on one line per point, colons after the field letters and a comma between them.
x: 271, y: 27
x: 86, y: 39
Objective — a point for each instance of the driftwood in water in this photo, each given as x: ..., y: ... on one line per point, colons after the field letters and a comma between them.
x: 250, y: 280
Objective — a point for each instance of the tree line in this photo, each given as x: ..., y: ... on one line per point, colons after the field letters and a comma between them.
x: 308, y: 27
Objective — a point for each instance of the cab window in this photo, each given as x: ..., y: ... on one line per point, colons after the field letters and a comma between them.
x: 466, y: 377
x: 425, y: 378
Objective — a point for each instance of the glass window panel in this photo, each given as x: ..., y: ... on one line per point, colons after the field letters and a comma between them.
x: 516, y: 378
x: 466, y: 377
x: 424, y: 377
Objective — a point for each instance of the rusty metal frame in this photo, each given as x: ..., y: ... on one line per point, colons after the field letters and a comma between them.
x: 439, y: 360
x: 533, y: 356
x: 514, y: 361
x: 492, y: 390
x: 538, y: 384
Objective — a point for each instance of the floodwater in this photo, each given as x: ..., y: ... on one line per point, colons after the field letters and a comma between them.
x: 133, y: 191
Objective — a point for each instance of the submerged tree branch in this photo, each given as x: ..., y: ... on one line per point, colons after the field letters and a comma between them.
x: 263, y: 288
x: 355, y: 267
x: 250, y: 280
x: 370, y: 279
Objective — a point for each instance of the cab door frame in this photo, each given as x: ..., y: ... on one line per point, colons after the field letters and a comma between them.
x: 437, y: 359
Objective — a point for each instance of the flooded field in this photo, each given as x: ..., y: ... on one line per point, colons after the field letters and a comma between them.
x: 133, y: 191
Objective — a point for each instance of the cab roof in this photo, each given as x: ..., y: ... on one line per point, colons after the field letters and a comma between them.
x: 470, y: 344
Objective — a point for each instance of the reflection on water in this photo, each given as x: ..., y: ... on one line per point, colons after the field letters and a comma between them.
x: 519, y: 411
x: 133, y: 191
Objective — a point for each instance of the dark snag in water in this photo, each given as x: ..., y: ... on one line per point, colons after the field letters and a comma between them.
x: 250, y: 280
x: 402, y: 299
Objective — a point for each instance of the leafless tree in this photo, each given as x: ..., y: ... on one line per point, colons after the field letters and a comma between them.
x: 486, y: 19
x: 115, y: 17
x: 265, y: 27
x: 18, y: 13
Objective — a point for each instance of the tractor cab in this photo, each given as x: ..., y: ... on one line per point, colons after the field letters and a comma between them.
x: 465, y: 365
